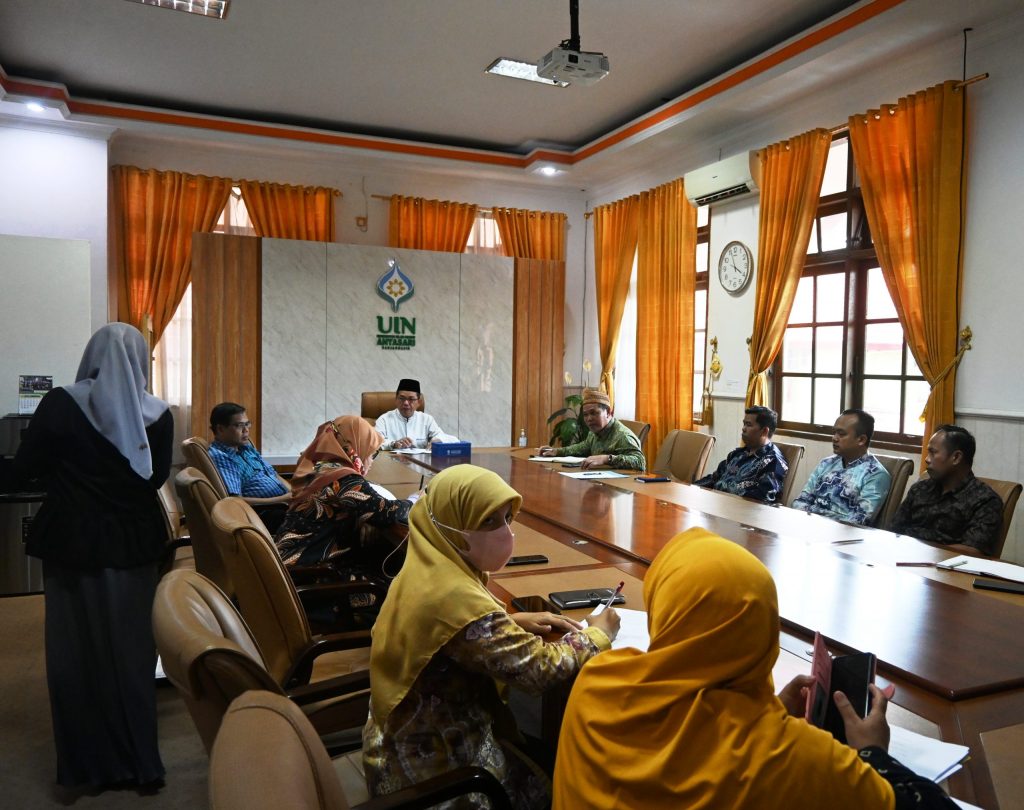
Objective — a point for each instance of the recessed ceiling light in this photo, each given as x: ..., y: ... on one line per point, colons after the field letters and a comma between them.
x: 207, y: 8
x: 548, y: 171
x: 35, y: 106
x: 515, y: 69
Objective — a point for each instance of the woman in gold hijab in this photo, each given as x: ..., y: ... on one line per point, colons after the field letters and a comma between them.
x: 443, y: 646
x: 331, y: 499
x: 694, y: 722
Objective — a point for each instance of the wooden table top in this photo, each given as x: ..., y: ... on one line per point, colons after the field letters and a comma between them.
x: 942, y: 636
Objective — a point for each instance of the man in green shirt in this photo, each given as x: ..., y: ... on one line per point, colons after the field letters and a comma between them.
x: 609, y: 443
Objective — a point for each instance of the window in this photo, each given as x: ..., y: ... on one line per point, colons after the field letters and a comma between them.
x: 700, y: 307
x: 844, y: 346
x: 485, y: 237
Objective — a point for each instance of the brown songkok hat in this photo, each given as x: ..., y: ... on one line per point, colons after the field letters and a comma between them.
x: 595, y: 396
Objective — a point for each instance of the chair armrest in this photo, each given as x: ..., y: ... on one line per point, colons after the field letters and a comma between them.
x: 459, y: 782
x: 303, y: 666
x: 328, y: 593
x: 314, y: 574
x: 329, y: 688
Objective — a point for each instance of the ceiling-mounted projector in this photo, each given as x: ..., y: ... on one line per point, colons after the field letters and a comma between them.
x: 576, y: 67
x: 567, y: 63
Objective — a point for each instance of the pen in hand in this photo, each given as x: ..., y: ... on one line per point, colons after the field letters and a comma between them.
x: 607, y: 604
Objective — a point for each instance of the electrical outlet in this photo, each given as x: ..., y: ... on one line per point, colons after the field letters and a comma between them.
x: 360, y: 222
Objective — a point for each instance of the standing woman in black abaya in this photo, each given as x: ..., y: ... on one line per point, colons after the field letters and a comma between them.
x: 101, y: 449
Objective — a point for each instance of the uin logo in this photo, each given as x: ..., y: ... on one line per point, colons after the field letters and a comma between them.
x: 395, y: 332
x: 395, y: 286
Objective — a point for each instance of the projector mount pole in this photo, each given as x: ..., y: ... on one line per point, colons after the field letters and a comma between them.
x: 573, y: 42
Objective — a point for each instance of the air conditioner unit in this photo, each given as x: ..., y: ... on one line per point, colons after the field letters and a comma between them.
x: 733, y: 177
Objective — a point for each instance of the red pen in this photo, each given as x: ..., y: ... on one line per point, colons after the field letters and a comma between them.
x: 605, y: 605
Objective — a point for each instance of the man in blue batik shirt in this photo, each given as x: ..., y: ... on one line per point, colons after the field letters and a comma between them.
x: 850, y: 485
x: 757, y: 469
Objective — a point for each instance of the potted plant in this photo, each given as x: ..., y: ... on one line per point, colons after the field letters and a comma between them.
x: 569, y: 427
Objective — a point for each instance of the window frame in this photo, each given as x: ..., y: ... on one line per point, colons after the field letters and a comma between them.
x: 855, y: 261
x: 702, y: 284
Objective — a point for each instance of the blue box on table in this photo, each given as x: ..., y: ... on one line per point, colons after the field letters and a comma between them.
x: 450, y: 449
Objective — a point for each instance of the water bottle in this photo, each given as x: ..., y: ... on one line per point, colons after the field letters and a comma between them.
x: 522, y: 437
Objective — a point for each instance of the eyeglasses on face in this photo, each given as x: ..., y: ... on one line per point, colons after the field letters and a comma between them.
x: 408, y: 400
x: 241, y: 425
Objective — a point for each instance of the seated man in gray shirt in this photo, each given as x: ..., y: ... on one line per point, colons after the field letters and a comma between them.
x: 951, y: 506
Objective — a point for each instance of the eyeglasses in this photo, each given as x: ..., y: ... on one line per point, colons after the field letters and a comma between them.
x: 408, y: 400
x: 241, y: 425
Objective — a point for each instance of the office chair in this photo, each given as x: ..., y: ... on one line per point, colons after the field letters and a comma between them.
x: 793, y: 453
x: 640, y: 429
x: 198, y: 495
x: 899, y: 470
x: 1009, y: 491
x: 683, y: 455
x: 374, y: 403
x: 296, y: 772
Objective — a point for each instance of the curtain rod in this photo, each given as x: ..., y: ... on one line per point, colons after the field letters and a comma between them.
x: 387, y: 198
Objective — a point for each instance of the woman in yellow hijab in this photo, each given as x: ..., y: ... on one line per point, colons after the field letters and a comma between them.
x: 443, y: 645
x: 694, y: 722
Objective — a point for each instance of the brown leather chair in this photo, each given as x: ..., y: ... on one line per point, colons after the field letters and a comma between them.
x: 1009, y: 491
x: 177, y: 535
x: 374, y: 403
x: 793, y: 453
x: 899, y: 470
x: 198, y: 495
x: 683, y: 455
x: 211, y: 657
x: 197, y: 454
x: 271, y: 604
x: 295, y: 771
x: 640, y: 429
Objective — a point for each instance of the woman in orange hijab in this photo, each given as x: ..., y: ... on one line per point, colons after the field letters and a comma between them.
x: 331, y: 499
x: 694, y: 722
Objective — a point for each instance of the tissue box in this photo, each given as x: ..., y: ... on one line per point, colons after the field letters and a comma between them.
x: 450, y: 449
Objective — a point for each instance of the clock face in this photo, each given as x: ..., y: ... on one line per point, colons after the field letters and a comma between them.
x: 734, y: 267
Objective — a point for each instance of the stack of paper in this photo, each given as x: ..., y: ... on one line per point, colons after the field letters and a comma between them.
x: 593, y: 474
x: 413, y: 451
x: 988, y: 568
x: 933, y: 759
x: 560, y: 459
x: 632, y: 630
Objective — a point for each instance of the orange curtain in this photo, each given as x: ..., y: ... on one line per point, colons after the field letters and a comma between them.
x: 430, y: 224
x: 666, y: 275
x: 154, y: 217
x: 910, y: 158
x: 531, y: 234
x: 290, y: 212
x: 791, y: 175
x: 616, y: 227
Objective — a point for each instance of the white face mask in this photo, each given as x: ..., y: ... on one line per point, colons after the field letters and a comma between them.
x: 477, y: 534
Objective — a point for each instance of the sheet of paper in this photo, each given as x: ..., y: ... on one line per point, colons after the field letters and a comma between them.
x: 413, y: 451
x: 560, y: 459
x: 932, y: 759
x: 593, y: 474
x: 632, y: 630
x: 385, y: 493
x: 988, y: 568
x: 965, y: 805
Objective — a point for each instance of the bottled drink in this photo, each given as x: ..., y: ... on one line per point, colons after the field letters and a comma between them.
x: 522, y: 437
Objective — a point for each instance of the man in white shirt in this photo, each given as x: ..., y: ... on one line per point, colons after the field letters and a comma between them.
x: 407, y: 427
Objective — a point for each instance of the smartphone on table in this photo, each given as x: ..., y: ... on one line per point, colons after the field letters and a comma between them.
x: 588, y: 597
x: 533, y: 604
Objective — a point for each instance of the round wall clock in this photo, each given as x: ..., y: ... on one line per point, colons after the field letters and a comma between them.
x: 734, y: 267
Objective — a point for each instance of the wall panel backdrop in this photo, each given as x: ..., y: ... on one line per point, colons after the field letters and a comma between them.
x: 322, y: 314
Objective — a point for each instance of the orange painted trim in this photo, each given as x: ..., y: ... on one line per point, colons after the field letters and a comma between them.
x: 60, y: 94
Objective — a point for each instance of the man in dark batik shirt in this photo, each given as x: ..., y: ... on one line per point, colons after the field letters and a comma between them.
x: 951, y: 506
x: 757, y: 469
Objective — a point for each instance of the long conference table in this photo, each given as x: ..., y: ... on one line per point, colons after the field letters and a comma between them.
x: 956, y: 655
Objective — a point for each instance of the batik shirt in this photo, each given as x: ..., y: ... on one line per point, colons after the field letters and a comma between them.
x: 853, y: 493
x: 972, y: 514
x: 453, y: 715
x: 244, y: 471
x: 616, y: 440
x: 758, y: 475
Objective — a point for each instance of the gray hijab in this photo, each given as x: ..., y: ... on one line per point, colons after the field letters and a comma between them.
x: 110, y: 388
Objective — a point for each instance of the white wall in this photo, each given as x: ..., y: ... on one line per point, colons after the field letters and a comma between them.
x: 54, y: 184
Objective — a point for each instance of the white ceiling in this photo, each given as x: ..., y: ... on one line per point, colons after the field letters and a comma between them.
x: 402, y: 68
x: 413, y: 69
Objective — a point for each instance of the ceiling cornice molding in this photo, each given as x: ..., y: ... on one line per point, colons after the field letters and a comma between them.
x: 647, y: 125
